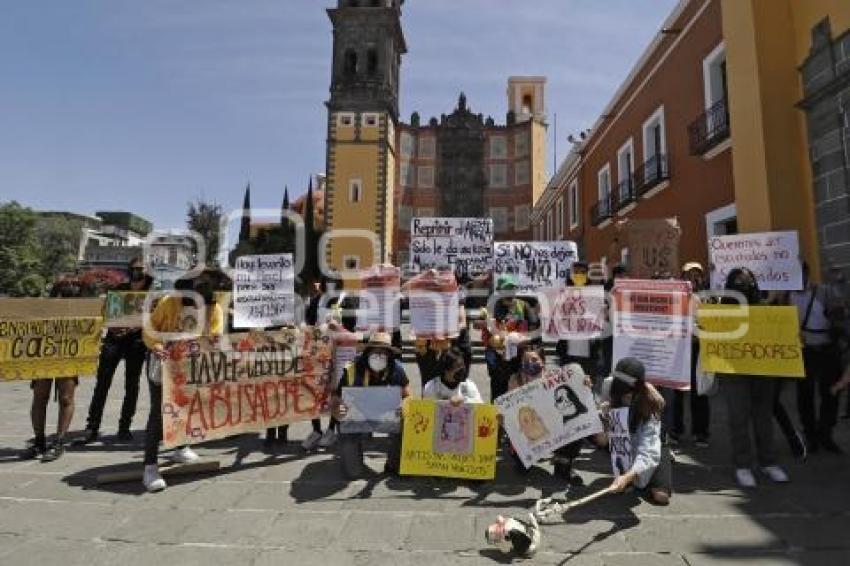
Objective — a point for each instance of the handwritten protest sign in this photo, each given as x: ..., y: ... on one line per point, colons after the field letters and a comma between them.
x: 620, y: 441
x: 653, y: 246
x: 534, y: 265
x: 244, y: 382
x: 380, y: 300
x: 652, y: 323
x: 464, y: 245
x: 442, y: 440
x: 46, y: 338
x: 774, y: 258
x: 548, y: 413
x: 371, y: 409
x: 264, y: 291
x: 573, y: 313
x: 750, y: 340
x: 434, y: 305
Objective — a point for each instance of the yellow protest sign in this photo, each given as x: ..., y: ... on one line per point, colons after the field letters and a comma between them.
x: 750, y: 340
x: 442, y: 440
x: 49, y: 347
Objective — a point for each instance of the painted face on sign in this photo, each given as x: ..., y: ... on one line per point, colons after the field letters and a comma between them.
x: 568, y: 404
x: 531, y: 424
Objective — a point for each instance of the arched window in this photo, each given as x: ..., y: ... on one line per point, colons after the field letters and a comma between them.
x: 372, y: 62
x: 527, y: 104
x: 350, y: 63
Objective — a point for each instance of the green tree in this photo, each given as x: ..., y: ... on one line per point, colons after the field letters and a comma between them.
x: 20, y: 261
x: 204, y: 218
x: 59, y: 245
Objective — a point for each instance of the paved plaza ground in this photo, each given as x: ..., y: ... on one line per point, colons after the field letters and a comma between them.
x: 291, y: 508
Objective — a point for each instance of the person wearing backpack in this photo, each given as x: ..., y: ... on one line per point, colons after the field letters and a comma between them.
x: 822, y: 361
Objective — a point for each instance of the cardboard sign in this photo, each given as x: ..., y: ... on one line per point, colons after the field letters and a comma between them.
x: 750, y: 340
x: 548, y: 413
x: 653, y: 247
x: 49, y: 347
x: 245, y: 382
x: 434, y: 305
x: 463, y: 245
x: 35, y: 309
x: 652, y: 323
x: 126, y: 309
x: 774, y: 258
x: 371, y: 409
x: 534, y: 265
x: 574, y: 313
x: 620, y: 441
x: 264, y: 291
x: 442, y: 440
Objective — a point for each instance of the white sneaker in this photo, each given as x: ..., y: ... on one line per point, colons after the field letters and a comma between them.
x: 185, y: 455
x: 776, y: 474
x: 152, y: 480
x: 745, y: 477
x: 311, y: 441
x: 328, y: 439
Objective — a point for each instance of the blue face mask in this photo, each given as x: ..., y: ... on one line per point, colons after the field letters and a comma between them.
x: 531, y: 368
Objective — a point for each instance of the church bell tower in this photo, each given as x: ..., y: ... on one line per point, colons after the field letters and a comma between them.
x: 362, y: 118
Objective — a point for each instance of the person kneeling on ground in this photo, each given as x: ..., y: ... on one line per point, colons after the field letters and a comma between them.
x: 377, y: 366
x: 651, y: 466
x: 451, y: 383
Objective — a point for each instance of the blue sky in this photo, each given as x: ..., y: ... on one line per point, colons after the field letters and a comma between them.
x: 144, y: 105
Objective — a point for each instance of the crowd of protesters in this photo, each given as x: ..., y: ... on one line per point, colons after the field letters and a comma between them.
x: 512, y: 360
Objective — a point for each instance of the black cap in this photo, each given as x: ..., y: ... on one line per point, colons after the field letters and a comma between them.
x: 630, y: 371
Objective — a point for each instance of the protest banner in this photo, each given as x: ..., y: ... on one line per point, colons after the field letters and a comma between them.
x: 549, y: 413
x: 464, y: 245
x: 124, y: 309
x: 434, y: 305
x: 263, y: 291
x: 534, y: 265
x: 244, y: 382
x: 48, y: 338
x: 653, y: 246
x: 371, y: 409
x: 750, y: 340
x: 620, y: 441
x: 652, y: 323
x: 573, y: 313
x: 773, y: 257
x: 380, y: 300
x: 443, y: 440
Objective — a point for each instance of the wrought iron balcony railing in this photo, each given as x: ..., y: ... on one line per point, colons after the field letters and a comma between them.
x: 710, y: 129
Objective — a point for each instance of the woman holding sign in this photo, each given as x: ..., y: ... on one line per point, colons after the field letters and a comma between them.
x: 650, y: 466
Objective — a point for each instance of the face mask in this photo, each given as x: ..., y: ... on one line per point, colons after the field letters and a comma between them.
x: 137, y: 275
x: 579, y: 279
x: 377, y: 362
x: 531, y: 368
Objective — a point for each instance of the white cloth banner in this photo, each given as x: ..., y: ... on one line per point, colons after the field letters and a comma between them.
x: 434, y: 314
x: 263, y: 291
x: 464, y: 245
x: 534, y: 265
x: 548, y: 413
x: 371, y: 409
x: 774, y: 258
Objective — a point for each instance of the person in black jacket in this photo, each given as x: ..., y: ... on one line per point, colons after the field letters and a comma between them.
x: 120, y: 344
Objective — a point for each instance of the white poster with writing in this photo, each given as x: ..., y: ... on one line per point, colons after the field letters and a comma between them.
x: 620, y: 441
x: 573, y: 313
x: 652, y: 323
x: 464, y: 245
x: 774, y: 258
x: 548, y: 413
x: 263, y: 291
x: 534, y: 265
x: 434, y: 314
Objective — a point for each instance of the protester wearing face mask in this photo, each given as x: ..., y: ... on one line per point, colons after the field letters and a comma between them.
x: 377, y: 366
x: 176, y: 313
x: 452, y: 384
x: 750, y: 401
x: 120, y: 344
x: 651, y: 464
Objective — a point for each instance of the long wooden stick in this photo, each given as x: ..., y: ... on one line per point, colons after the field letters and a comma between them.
x: 592, y: 497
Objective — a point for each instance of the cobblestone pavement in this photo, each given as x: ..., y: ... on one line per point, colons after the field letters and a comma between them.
x: 293, y: 508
